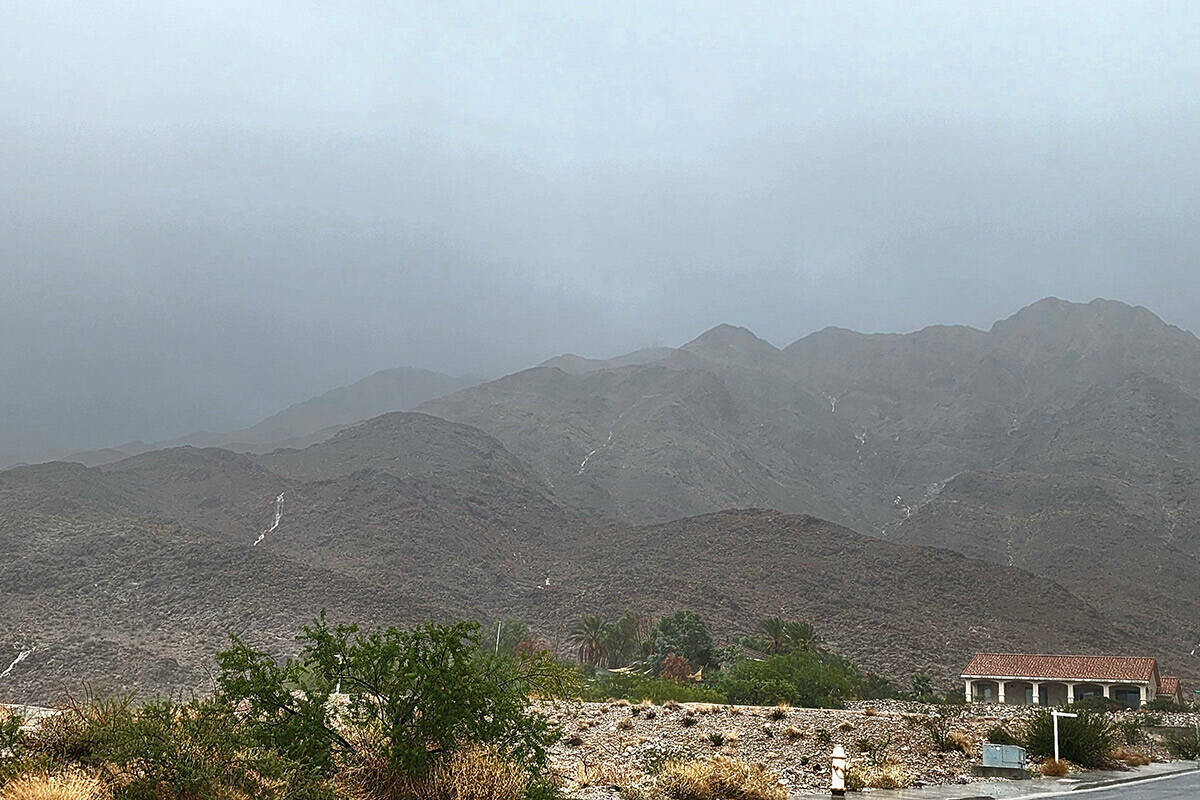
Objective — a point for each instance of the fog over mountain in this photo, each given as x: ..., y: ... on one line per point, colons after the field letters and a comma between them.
x: 213, y: 212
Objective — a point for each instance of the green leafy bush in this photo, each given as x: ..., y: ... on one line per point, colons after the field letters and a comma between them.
x: 414, y: 695
x: 637, y: 687
x: 1130, y: 729
x: 1001, y: 735
x: 165, y: 748
x: 1087, y: 740
x: 1169, y: 706
x: 799, y: 678
x: 685, y: 634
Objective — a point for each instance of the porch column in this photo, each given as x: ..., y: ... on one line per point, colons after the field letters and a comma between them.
x: 969, y: 698
x: 1037, y: 693
x: 1000, y: 692
x: 1142, y: 694
x: 1070, y: 693
x: 1107, y: 690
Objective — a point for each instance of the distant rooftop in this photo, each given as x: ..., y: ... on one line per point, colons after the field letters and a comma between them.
x: 1084, y: 668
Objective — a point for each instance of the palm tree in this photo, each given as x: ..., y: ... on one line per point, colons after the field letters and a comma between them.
x: 590, y: 637
x: 774, y: 632
x: 800, y: 636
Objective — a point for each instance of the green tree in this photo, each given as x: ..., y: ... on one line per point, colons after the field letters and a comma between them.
x: 800, y: 636
x: 774, y: 635
x: 684, y: 633
x: 590, y: 637
x: 922, y: 686
x: 418, y: 693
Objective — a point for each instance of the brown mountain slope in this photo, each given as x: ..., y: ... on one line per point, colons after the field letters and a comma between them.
x: 113, y: 592
x: 937, y: 437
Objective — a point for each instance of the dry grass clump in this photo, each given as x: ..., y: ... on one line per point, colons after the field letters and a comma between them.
x: 791, y: 732
x: 688, y: 720
x: 870, y: 712
x: 846, y: 726
x: 881, y: 776
x: 473, y: 773
x: 779, y: 712
x: 671, y: 704
x: 68, y: 786
x: 1131, y: 758
x: 962, y: 741
x: 625, y: 724
x: 1054, y: 769
x: 718, y: 778
x: 606, y: 773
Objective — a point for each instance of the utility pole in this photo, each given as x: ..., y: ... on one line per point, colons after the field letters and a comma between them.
x: 1056, y: 715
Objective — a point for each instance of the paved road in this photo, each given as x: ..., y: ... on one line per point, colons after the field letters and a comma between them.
x: 1178, y: 787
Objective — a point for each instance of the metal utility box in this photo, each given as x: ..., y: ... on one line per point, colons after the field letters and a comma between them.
x: 1003, y: 755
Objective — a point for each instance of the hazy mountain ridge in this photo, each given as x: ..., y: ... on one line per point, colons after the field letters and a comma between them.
x: 308, y: 422
x: 1064, y: 443
x: 880, y: 433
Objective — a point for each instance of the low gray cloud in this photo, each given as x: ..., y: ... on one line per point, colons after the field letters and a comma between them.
x: 214, y: 210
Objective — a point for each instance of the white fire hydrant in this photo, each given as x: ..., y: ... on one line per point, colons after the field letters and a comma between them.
x: 837, y: 778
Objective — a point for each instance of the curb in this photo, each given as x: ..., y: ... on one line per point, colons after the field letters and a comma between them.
x: 1135, y: 779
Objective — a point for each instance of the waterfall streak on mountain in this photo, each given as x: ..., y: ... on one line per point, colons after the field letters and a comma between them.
x: 274, y: 522
x: 24, y: 654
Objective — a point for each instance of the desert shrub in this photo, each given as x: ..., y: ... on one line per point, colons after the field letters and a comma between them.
x: 873, y: 749
x: 165, y: 749
x: 635, y: 688
x: 1087, y: 740
x: 1164, y: 705
x: 940, y: 730
x: 718, y: 778
x: 962, y: 741
x: 1184, y: 746
x: 1130, y: 730
x: 422, y: 692
x: 61, y: 786
x: 1054, y: 769
x: 472, y: 773
x: 13, y: 743
x: 674, y: 668
x: 684, y: 634
x: 1097, y: 704
x: 878, y: 776
x: 84, y: 732
x: 1001, y: 735
x: 922, y: 687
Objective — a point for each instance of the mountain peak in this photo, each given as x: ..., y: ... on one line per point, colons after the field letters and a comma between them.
x: 731, y: 343
x: 1052, y: 313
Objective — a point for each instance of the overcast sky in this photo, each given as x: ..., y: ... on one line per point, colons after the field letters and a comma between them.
x: 213, y: 210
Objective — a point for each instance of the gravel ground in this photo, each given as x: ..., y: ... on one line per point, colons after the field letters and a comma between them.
x: 606, y: 744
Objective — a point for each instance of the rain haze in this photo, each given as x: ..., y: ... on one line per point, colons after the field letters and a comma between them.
x: 212, y: 211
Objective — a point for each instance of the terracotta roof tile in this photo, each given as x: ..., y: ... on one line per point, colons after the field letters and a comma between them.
x: 1168, y: 684
x: 1094, y: 668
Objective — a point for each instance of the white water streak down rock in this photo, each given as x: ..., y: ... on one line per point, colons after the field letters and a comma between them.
x: 274, y: 522
x: 24, y: 654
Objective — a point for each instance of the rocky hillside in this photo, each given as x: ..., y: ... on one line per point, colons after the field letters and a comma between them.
x: 131, y: 575
x: 1064, y: 441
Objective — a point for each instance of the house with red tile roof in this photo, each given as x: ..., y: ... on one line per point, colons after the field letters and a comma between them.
x: 1169, y: 689
x: 1037, y: 679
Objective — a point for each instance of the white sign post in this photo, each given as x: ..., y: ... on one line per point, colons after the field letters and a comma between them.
x: 1056, y: 715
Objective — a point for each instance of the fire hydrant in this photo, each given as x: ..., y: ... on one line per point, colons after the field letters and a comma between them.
x: 837, y: 778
